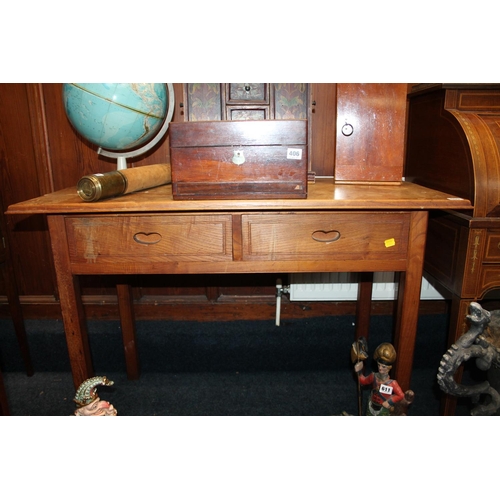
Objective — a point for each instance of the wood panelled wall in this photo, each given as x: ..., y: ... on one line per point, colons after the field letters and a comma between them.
x: 40, y: 152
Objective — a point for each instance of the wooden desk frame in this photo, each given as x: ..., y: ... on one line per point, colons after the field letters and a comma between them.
x: 405, y: 207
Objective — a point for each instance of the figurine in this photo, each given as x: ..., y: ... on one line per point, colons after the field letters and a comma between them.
x: 359, y: 352
x: 386, y: 392
x: 477, y: 342
x: 88, y: 402
x: 401, y: 408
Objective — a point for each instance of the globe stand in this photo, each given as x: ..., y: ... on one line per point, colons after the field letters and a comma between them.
x: 121, y: 158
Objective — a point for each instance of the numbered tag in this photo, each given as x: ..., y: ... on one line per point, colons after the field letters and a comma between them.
x: 385, y: 389
x: 294, y: 154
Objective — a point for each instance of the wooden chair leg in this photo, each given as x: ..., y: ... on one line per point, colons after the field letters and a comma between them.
x: 4, y: 407
x: 17, y: 316
x: 13, y: 295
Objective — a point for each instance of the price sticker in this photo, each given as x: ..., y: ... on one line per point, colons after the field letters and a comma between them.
x: 385, y: 389
x: 294, y: 154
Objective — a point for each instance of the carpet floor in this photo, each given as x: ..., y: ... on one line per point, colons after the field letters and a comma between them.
x: 302, y: 367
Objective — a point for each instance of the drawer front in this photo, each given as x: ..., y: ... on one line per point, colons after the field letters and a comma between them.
x: 150, y: 238
x: 265, y: 172
x: 492, y: 252
x: 324, y: 236
x: 247, y: 92
x: 489, y: 280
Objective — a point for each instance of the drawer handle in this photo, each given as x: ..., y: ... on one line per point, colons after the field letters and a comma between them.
x: 147, y: 238
x: 347, y: 129
x: 326, y: 236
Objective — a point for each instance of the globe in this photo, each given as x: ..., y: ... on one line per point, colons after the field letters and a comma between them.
x: 123, y: 119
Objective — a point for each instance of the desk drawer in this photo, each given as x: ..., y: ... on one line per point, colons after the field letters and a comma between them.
x: 325, y: 236
x: 150, y: 238
x: 492, y: 253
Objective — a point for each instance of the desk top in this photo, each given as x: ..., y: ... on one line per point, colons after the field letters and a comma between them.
x: 322, y: 195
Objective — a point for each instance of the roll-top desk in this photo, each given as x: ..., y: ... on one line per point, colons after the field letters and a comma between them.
x: 338, y: 228
x: 454, y: 145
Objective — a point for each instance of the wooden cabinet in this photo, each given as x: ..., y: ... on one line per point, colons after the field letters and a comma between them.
x: 454, y: 144
x: 245, y: 101
x: 370, y: 132
x: 492, y: 247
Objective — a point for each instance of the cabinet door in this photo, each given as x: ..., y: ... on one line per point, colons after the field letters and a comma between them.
x: 370, y: 132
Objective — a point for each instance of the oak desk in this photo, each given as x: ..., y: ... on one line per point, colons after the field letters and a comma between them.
x: 338, y: 228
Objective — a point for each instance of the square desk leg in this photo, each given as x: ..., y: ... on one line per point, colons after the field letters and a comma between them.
x: 75, y: 326
x: 410, y: 284
x: 408, y: 301
x: 73, y: 316
x: 127, y: 321
x: 364, y: 305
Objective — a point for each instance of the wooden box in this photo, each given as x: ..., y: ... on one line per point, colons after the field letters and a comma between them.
x: 239, y: 159
x: 371, y: 120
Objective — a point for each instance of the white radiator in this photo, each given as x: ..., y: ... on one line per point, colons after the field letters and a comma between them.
x: 343, y: 286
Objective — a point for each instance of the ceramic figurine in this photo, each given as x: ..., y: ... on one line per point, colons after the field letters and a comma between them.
x: 88, y: 402
x: 401, y: 408
x: 386, y: 392
x: 482, y: 343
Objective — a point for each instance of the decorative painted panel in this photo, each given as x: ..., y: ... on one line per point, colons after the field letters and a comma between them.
x: 204, y: 101
x: 290, y: 101
x: 246, y: 101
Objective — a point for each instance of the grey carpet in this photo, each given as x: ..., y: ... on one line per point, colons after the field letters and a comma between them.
x: 217, y: 368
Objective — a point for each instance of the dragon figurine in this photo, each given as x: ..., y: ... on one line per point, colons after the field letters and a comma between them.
x: 475, y: 343
x: 88, y: 402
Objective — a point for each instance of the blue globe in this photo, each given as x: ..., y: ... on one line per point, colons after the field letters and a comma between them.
x: 116, y: 116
